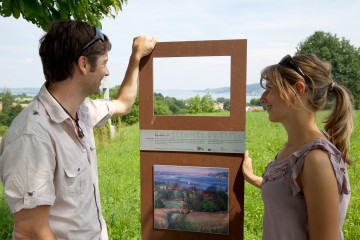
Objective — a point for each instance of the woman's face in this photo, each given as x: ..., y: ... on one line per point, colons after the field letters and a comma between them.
x: 277, y: 108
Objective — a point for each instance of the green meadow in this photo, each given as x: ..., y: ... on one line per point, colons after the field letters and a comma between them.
x: 119, y: 172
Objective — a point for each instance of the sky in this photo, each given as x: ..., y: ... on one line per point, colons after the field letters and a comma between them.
x: 273, y: 28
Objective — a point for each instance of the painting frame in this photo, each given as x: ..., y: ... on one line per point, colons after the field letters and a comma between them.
x: 191, y: 198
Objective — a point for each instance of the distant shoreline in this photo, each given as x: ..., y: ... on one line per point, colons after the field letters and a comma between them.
x: 253, y: 91
x: 32, y: 92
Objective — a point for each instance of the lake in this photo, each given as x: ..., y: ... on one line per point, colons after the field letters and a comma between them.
x: 178, y: 94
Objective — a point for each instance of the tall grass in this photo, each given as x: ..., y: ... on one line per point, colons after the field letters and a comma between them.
x: 119, y: 174
x: 6, y: 221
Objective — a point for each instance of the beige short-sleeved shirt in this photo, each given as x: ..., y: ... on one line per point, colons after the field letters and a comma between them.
x: 44, y: 162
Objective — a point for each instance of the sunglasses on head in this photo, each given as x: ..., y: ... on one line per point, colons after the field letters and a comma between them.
x: 289, y: 62
x: 99, y: 36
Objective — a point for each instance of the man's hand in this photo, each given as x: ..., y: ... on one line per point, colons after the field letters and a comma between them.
x: 143, y: 46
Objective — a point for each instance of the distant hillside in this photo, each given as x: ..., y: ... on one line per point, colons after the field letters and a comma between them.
x: 217, y: 90
x: 251, y: 89
x: 254, y: 89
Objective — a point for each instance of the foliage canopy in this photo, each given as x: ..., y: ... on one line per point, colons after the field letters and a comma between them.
x: 193, y: 105
x: 344, y: 57
x: 43, y: 12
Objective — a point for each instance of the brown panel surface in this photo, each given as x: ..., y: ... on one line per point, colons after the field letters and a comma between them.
x: 235, y: 122
x: 236, y: 192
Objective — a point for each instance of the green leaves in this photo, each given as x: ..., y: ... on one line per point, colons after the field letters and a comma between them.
x: 43, y: 12
x: 6, y: 8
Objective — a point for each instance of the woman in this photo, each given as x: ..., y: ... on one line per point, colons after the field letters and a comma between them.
x: 305, y: 189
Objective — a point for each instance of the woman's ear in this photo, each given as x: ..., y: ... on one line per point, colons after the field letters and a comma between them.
x: 300, y: 88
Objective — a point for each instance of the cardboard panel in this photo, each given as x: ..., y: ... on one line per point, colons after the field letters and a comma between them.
x: 236, y: 190
x: 235, y: 122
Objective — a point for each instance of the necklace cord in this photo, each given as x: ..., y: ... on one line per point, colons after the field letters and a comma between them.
x: 76, y: 120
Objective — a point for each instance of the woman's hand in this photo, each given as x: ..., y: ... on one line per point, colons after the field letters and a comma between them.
x: 248, y: 171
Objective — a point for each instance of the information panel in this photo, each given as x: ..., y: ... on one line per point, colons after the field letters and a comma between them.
x: 192, y: 141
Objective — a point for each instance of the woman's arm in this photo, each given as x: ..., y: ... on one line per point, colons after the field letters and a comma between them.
x: 248, y: 172
x: 319, y: 185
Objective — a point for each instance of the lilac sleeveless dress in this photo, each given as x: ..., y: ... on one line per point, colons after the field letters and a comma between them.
x: 285, y: 216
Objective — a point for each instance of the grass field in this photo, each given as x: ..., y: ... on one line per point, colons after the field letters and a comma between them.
x: 120, y: 180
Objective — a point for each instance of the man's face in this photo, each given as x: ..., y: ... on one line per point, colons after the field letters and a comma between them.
x: 97, y: 74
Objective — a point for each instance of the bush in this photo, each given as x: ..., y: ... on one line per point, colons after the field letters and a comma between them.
x: 3, y: 130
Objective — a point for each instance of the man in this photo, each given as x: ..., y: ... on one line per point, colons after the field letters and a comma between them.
x: 48, y: 163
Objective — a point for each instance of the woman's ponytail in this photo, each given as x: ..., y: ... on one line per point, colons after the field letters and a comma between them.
x: 340, y: 122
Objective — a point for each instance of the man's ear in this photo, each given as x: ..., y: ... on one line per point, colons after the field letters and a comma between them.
x: 82, y: 64
x: 300, y: 88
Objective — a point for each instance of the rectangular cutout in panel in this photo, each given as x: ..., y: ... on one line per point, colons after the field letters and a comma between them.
x: 234, y: 53
x: 198, y: 86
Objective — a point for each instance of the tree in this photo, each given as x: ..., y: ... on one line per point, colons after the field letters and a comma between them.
x: 221, y: 100
x: 7, y: 100
x: 207, y: 103
x: 160, y: 106
x: 175, y: 106
x: 8, y: 112
x: 344, y: 57
x: 227, y: 105
x: 13, y: 112
x: 194, y: 105
x: 255, y: 102
x: 43, y: 12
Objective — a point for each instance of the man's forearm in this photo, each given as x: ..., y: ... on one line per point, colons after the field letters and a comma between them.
x: 44, y: 234
x: 128, y: 89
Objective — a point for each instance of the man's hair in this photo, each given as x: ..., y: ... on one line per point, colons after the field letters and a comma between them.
x: 61, y: 47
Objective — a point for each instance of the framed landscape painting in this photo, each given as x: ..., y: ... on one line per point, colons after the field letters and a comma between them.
x: 194, y: 199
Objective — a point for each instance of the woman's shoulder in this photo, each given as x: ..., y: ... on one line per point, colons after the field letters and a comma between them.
x: 319, y: 152
x: 317, y: 158
x: 319, y: 155
x: 318, y: 147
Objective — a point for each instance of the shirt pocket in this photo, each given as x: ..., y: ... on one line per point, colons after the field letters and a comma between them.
x: 73, y: 181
